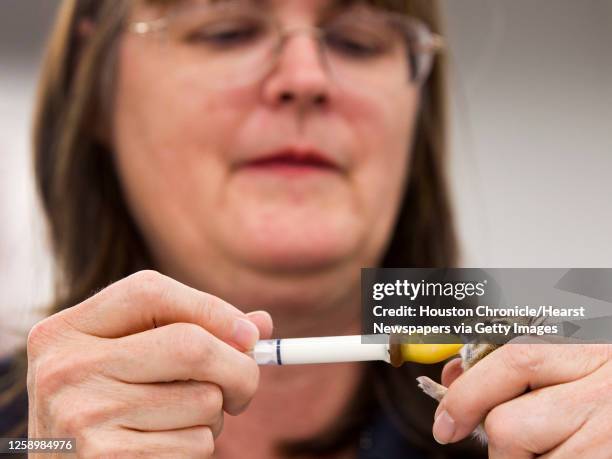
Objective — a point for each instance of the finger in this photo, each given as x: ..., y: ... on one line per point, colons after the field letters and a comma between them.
x: 143, y: 407
x: 507, y: 373
x: 593, y: 441
x: 537, y: 421
x: 263, y: 321
x: 147, y: 300
x: 190, y: 442
x: 182, y: 352
x: 507, y: 454
x: 451, y: 371
x: 172, y: 406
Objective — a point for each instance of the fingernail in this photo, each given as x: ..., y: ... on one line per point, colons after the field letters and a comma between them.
x: 245, y: 333
x: 444, y: 428
x: 261, y: 314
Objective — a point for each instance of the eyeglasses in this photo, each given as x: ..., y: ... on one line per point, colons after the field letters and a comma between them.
x: 234, y: 43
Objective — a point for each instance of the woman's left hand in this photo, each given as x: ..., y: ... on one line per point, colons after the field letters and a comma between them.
x: 567, y: 412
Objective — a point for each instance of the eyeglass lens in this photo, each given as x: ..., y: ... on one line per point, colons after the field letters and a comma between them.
x: 360, y: 47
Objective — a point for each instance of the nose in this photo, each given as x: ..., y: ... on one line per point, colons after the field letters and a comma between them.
x: 300, y: 75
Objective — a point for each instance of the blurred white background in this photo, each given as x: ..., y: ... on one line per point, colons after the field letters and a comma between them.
x: 531, y: 144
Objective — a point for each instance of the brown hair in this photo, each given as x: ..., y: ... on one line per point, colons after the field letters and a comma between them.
x: 96, y: 242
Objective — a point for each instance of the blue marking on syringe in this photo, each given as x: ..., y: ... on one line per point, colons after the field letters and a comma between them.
x: 278, y: 352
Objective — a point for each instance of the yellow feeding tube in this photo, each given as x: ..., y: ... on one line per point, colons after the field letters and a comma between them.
x: 428, y: 353
x: 403, y: 348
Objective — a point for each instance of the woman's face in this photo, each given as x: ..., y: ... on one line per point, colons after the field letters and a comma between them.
x: 288, y: 175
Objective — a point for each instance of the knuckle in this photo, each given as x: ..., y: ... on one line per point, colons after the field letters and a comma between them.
x: 147, y: 285
x: 499, y: 427
x: 217, y: 427
x: 207, y: 445
x: 211, y: 310
x: 47, y: 377
x: 588, y: 356
x: 74, y: 417
x: 524, y: 358
x: 603, y: 352
x: 607, y: 351
x: 67, y: 422
x: 40, y: 335
x: 249, y: 383
x: 251, y: 380
x: 94, y: 414
x: 206, y: 309
x: 145, y: 276
x: 191, y: 343
x: 56, y: 373
x: 76, y: 420
x: 211, y: 397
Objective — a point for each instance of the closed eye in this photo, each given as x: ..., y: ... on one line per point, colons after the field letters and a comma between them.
x: 352, y: 46
x: 226, y: 35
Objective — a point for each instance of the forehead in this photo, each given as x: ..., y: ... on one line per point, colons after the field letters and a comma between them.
x: 392, y: 5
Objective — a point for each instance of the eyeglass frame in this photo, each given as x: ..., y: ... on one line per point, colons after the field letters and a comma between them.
x: 436, y: 42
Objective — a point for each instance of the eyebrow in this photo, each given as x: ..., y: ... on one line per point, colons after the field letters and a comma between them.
x: 332, y: 3
x: 330, y: 8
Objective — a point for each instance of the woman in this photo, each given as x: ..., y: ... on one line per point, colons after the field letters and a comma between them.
x: 258, y: 154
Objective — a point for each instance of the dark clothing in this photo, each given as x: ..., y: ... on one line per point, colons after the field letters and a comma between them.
x: 381, y: 440
x: 13, y: 403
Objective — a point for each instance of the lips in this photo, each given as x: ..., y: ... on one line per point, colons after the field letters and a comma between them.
x: 293, y: 159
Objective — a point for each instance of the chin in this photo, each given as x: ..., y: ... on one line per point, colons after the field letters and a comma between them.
x: 295, y: 253
x: 297, y: 278
x: 291, y: 237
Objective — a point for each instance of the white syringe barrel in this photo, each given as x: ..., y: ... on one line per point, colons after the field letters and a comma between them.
x: 328, y: 349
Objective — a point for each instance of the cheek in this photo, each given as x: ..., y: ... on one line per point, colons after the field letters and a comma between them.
x: 167, y: 135
x: 385, y: 130
x: 170, y: 115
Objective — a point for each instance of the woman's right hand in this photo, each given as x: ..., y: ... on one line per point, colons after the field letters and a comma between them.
x: 146, y: 367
